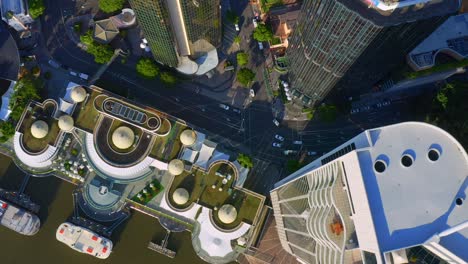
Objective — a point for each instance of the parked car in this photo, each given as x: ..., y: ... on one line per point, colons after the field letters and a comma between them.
x: 72, y: 73
x: 297, y: 142
x: 276, y: 122
x: 311, y: 153
x: 386, y: 102
x: 289, y: 152
x: 260, y: 45
x: 254, y: 21
x: 252, y: 93
x: 235, y: 110
x: 237, y: 27
x: 276, y: 145
x: 278, y: 137
x: 84, y: 76
x: 225, y: 107
x: 285, y: 84
x: 354, y: 111
x: 54, y: 64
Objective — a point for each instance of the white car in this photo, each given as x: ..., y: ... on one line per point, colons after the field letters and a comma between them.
x: 311, y: 153
x: 235, y: 110
x: 276, y: 122
x: 223, y: 106
x: 237, y: 27
x: 84, y: 76
x: 260, y: 45
x: 276, y: 145
x: 285, y: 84
x: 73, y: 73
x: 54, y: 64
x: 278, y: 137
x: 297, y: 142
x: 254, y: 21
x: 290, y: 152
x: 252, y: 93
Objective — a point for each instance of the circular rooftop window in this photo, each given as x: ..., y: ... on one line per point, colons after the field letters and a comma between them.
x: 433, y: 154
x: 459, y: 201
x: 380, y: 166
x: 406, y: 160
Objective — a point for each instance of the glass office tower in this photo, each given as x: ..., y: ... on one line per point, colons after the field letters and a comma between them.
x: 179, y: 32
x: 356, y: 42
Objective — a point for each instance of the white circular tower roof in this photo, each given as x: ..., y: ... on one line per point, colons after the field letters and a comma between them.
x: 66, y: 123
x: 78, y: 94
x: 176, y: 167
x: 180, y: 196
x: 227, y: 214
x: 123, y: 137
x: 188, y: 137
x: 39, y: 129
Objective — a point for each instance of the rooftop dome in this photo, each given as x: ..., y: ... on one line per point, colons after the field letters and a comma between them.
x: 78, y: 94
x: 188, y: 137
x: 176, y: 167
x: 123, y: 137
x: 180, y: 196
x: 65, y: 123
x: 227, y: 214
x: 39, y: 129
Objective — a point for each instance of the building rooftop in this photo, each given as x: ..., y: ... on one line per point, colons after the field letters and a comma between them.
x: 9, y: 56
x: 450, y: 38
x: 388, y: 14
x: 16, y: 6
x: 411, y: 203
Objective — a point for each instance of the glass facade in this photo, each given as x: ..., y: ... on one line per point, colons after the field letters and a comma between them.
x: 154, y: 20
x: 202, y: 20
x: 330, y: 39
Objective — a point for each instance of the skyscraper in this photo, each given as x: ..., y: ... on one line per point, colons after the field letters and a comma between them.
x: 182, y: 34
x: 357, y: 42
x: 388, y: 195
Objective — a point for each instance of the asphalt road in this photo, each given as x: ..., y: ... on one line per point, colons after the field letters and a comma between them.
x: 251, y: 131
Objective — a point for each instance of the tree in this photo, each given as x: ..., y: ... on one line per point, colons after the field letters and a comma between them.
x: 87, y: 38
x: 36, y: 8
x: 293, y: 165
x: 147, y: 68
x: 237, y: 39
x: 262, y: 33
x: 245, y: 76
x: 102, y: 53
x: 27, y: 88
x: 168, y: 78
x: 328, y: 113
x: 232, y: 17
x: 109, y: 6
x: 7, y: 130
x: 242, y: 58
x: 245, y: 161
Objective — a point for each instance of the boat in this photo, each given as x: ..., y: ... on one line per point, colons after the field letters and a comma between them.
x: 84, y: 240
x: 18, y: 219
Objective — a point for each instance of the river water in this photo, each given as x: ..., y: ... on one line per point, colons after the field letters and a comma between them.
x: 55, y: 197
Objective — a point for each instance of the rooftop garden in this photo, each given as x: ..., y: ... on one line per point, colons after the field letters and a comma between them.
x: 148, y: 193
x: 199, y: 185
x: 85, y: 114
x: 36, y: 113
x: 168, y: 147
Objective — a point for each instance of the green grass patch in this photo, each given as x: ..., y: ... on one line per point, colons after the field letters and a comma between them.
x: 152, y: 189
x: 437, y: 68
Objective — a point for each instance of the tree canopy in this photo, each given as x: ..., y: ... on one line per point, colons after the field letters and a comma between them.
x: 293, y: 165
x: 168, y: 78
x: 109, y: 6
x: 232, y: 17
x: 237, y: 39
x: 245, y: 76
x: 27, y: 88
x: 328, y: 113
x: 7, y: 130
x: 449, y: 110
x: 102, y: 53
x: 36, y: 8
x: 147, y: 68
x: 262, y: 33
x: 245, y: 161
x: 242, y: 58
